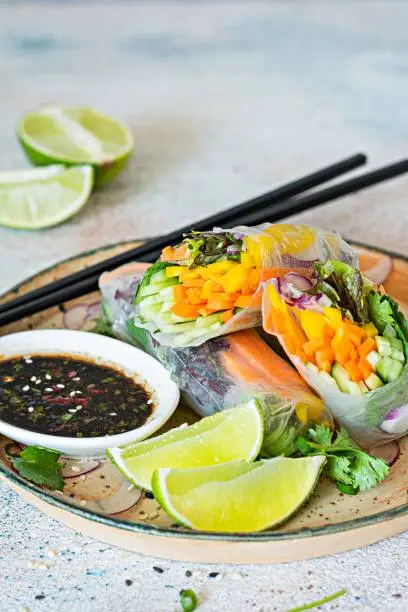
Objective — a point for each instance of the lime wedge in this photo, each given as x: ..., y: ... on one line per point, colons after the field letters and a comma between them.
x: 73, y: 136
x: 233, y: 434
x: 237, y: 496
x: 42, y: 197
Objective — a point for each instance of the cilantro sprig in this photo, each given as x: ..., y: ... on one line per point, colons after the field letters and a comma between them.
x: 41, y: 466
x: 351, y: 468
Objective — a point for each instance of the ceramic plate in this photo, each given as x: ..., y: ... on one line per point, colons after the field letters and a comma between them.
x: 101, y: 504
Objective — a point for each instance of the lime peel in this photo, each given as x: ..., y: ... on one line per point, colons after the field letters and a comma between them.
x: 236, y: 433
x: 43, y: 199
x: 237, y: 497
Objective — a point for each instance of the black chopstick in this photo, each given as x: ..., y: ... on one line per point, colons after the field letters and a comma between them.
x: 274, y: 214
x: 323, y: 196
x: 155, y: 246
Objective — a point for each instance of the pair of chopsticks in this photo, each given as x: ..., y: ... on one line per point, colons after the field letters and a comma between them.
x: 270, y: 207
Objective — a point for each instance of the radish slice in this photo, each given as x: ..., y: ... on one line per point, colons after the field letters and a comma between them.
x: 77, y: 316
x: 390, y: 452
x: 123, y: 499
x: 72, y: 468
x: 396, y: 421
x: 93, y: 310
x: 379, y: 272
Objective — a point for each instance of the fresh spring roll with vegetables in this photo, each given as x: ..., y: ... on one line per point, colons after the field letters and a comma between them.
x: 349, y: 341
x: 211, y: 283
x: 222, y: 372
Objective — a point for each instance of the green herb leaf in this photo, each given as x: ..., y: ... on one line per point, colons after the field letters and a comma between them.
x: 338, y: 469
x: 102, y: 327
x: 40, y: 465
x: 351, y: 468
x: 336, y: 278
x: 188, y: 600
x: 319, y: 602
x: 368, y: 471
x: 384, y: 311
x: 321, y: 435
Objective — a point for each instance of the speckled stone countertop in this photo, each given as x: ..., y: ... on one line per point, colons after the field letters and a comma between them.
x: 225, y: 101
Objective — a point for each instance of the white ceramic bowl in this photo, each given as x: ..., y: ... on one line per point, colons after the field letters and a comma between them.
x: 104, y: 351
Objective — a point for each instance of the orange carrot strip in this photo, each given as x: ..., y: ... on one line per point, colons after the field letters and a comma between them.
x: 353, y: 371
x: 353, y: 337
x: 354, y: 355
x: 239, y: 368
x: 179, y: 293
x: 291, y: 343
x: 365, y: 368
x: 225, y: 297
x: 328, y: 333
x: 355, y: 329
x: 193, y: 282
x: 204, y: 311
x: 182, y: 309
x: 342, y: 350
x: 278, y: 322
x: 326, y: 354
x: 193, y: 296
x: 325, y: 366
x: 302, y: 355
x: 243, y: 301
x: 250, y: 346
x: 367, y: 346
x: 311, y: 346
x: 219, y: 304
x: 226, y: 315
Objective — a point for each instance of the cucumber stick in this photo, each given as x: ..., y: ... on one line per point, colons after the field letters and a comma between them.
x: 383, y: 346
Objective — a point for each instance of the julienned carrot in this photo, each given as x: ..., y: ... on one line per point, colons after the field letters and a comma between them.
x: 257, y: 353
x: 367, y: 346
x: 281, y: 378
x: 226, y: 315
x: 239, y: 368
x: 182, y: 309
x: 179, y: 293
x: 243, y: 301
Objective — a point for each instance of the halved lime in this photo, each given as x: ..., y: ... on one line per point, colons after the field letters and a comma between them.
x: 233, y: 434
x: 237, y: 496
x: 73, y: 136
x: 42, y: 197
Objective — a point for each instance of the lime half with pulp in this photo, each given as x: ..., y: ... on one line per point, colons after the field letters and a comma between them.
x: 43, y: 197
x: 237, y: 496
x: 76, y: 136
x: 236, y: 433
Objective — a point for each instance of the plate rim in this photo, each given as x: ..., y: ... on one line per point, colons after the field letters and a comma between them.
x: 146, y: 529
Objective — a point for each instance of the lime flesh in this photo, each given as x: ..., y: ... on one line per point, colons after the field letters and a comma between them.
x: 237, y: 496
x: 73, y: 136
x: 232, y: 434
x: 43, y: 197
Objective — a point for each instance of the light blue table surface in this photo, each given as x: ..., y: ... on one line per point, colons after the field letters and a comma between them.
x: 225, y: 101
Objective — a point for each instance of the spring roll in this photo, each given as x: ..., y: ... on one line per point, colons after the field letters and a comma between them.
x: 349, y: 341
x: 211, y: 283
x: 222, y: 372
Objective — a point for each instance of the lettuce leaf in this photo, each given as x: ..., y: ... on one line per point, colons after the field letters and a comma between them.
x: 156, y: 267
x: 344, y: 285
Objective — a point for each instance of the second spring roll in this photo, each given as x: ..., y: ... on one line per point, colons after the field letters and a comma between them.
x: 222, y: 372
x: 349, y: 341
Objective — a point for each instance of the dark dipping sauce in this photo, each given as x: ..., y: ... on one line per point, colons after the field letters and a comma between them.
x: 71, y: 397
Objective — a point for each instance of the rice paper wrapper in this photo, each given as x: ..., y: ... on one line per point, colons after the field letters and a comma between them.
x: 261, y: 249
x: 222, y: 372
x: 373, y: 418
